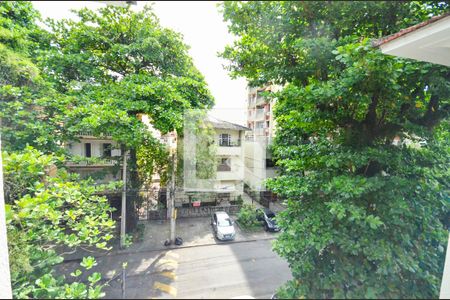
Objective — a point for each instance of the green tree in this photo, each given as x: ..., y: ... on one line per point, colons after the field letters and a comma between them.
x: 365, y: 217
x: 119, y: 64
x: 32, y: 112
x: 48, y: 211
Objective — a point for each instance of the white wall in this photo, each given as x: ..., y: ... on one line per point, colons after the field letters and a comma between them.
x: 235, y: 176
x: 445, y: 285
x: 255, y: 163
x: 233, y: 133
x: 5, y: 279
x: 96, y: 147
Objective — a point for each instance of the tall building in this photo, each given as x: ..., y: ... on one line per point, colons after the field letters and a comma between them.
x: 260, y: 112
x: 260, y: 119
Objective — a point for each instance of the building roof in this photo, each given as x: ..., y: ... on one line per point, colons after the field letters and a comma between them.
x: 428, y: 41
x: 405, y: 31
x: 216, y: 123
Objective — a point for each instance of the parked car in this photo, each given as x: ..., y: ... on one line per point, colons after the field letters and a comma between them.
x: 267, y: 218
x: 223, y: 226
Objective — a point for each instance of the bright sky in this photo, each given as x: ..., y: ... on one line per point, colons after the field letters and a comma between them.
x: 204, y: 31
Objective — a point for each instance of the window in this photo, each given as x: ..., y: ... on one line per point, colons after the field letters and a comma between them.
x: 107, y: 150
x: 259, y: 125
x: 224, y: 164
x: 269, y: 163
x: 224, y: 222
x: 87, y: 149
x: 224, y: 139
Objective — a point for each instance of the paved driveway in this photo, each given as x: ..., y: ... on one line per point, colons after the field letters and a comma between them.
x: 193, y: 231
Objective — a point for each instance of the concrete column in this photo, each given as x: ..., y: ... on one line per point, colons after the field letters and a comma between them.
x: 5, y: 279
x: 445, y: 285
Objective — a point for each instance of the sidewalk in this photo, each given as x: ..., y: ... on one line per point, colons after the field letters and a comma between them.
x: 194, y: 232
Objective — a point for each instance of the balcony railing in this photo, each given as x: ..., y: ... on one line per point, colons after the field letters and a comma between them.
x: 230, y: 143
x: 259, y: 131
x: 223, y: 168
x: 91, y: 163
x: 260, y: 100
x: 91, y: 133
x: 259, y: 113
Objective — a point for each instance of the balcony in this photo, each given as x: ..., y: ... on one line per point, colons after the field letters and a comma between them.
x: 259, y: 131
x: 229, y: 143
x: 230, y: 175
x: 92, y: 163
x: 229, y: 149
x: 259, y: 114
x: 260, y: 99
x: 89, y: 133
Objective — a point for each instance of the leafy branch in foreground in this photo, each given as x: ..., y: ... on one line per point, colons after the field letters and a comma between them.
x: 48, y: 212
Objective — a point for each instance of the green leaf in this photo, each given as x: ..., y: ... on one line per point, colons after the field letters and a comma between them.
x: 88, y: 262
x: 95, y: 277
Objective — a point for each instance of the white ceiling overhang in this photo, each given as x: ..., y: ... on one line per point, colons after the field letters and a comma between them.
x: 430, y: 43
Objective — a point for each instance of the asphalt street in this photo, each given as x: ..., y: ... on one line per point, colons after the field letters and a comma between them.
x: 224, y: 270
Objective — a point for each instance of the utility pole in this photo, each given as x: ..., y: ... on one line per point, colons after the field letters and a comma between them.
x: 171, y: 204
x: 123, y: 217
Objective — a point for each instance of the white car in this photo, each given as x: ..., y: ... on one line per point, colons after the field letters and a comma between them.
x: 223, y: 226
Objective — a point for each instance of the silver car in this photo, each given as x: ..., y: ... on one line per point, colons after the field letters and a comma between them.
x: 223, y: 226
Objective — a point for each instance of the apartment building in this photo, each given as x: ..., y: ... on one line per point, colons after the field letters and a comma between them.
x: 96, y: 157
x: 260, y: 112
x: 228, y: 182
x: 260, y: 119
x: 100, y: 157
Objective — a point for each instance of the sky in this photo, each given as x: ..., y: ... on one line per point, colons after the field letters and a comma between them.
x: 203, y: 29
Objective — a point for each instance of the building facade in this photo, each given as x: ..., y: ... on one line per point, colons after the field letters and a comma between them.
x: 260, y: 119
x: 97, y: 157
x: 227, y: 184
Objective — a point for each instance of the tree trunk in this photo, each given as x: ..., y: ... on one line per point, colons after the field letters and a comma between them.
x: 133, y: 199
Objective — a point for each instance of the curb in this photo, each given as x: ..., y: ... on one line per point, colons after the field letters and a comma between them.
x: 121, y: 252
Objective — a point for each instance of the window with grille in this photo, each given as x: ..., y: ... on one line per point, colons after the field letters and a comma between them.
x: 224, y: 139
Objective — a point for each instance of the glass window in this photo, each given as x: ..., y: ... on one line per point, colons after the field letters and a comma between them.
x: 224, y: 139
x: 107, y: 149
x: 87, y: 150
x: 224, y: 222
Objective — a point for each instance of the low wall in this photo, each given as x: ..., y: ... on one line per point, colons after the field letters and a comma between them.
x: 193, y: 212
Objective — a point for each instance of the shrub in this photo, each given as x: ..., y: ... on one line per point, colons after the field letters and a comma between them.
x: 247, y: 217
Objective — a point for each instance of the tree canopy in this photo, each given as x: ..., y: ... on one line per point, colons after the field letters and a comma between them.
x: 361, y: 144
x: 99, y: 73
x: 119, y: 64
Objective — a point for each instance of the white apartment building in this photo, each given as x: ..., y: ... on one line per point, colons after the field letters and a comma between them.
x: 230, y: 154
x: 228, y: 182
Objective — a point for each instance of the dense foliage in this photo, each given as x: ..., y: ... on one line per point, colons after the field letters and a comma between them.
x: 246, y: 217
x: 99, y: 74
x: 120, y: 64
x: 362, y: 144
x: 32, y: 112
x: 49, y: 209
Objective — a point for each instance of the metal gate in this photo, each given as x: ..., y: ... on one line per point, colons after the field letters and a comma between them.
x: 150, y: 200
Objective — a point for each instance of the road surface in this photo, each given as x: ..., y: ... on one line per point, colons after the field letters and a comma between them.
x: 216, y: 271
